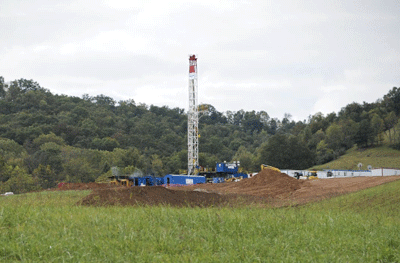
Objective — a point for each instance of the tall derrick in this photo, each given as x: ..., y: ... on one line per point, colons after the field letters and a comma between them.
x: 193, y: 118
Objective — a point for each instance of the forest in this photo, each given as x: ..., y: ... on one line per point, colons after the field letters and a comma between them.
x: 48, y: 138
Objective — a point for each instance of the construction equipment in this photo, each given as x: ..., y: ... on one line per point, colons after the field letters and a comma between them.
x: 309, y: 175
x: 121, y: 180
x: 234, y: 179
x: 223, y: 172
x: 264, y: 166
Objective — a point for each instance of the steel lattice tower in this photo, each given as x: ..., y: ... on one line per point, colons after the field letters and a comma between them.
x: 193, y: 118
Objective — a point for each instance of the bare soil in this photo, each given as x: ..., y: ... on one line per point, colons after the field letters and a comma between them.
x: 267, y: 188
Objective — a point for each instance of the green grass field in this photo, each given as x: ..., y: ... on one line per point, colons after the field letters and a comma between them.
x: 376, y: 157
x: 50, y: 227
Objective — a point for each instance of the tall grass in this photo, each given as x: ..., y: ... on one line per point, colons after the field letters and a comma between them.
x: 50, y: 227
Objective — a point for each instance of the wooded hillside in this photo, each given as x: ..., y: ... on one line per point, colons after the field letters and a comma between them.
x: 47, y: 138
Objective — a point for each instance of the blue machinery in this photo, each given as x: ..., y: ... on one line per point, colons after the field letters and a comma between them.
x: 222, y: 172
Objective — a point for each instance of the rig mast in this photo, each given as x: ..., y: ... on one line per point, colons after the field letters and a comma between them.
x: 193, y: 118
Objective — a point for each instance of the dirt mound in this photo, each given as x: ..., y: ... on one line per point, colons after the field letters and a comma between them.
x: 155, y: 195
x: 267, y: 183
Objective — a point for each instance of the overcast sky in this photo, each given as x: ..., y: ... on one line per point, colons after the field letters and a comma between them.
x: 286, y: 56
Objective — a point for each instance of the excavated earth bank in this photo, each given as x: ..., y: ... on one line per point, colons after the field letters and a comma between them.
x: 267, y: 188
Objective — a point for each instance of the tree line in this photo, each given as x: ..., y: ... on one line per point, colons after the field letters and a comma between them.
x: 47, y: 138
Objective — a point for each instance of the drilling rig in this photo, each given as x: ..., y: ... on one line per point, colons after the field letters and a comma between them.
x: 193, y: 119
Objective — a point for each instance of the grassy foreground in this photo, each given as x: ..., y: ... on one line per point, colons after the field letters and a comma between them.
x: 49, y: 227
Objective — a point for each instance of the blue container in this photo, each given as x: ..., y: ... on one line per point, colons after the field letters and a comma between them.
x: 139, y: 181
x: 230, y: 168
x: 159, y: 180
x: 171, y: 179
x: 147, y: 181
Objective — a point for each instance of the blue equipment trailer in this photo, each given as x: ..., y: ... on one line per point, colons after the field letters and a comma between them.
x: 180, y: 179
x: 224, y: 171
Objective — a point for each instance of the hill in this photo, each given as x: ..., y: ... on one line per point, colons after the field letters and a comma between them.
x: 377, y: 157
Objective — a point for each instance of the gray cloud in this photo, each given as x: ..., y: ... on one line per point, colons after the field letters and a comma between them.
x: 282, y: 56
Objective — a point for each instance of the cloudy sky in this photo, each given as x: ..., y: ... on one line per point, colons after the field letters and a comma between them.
x: 286, y: 56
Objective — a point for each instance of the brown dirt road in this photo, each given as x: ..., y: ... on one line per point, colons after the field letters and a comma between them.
x: 267, y: 188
